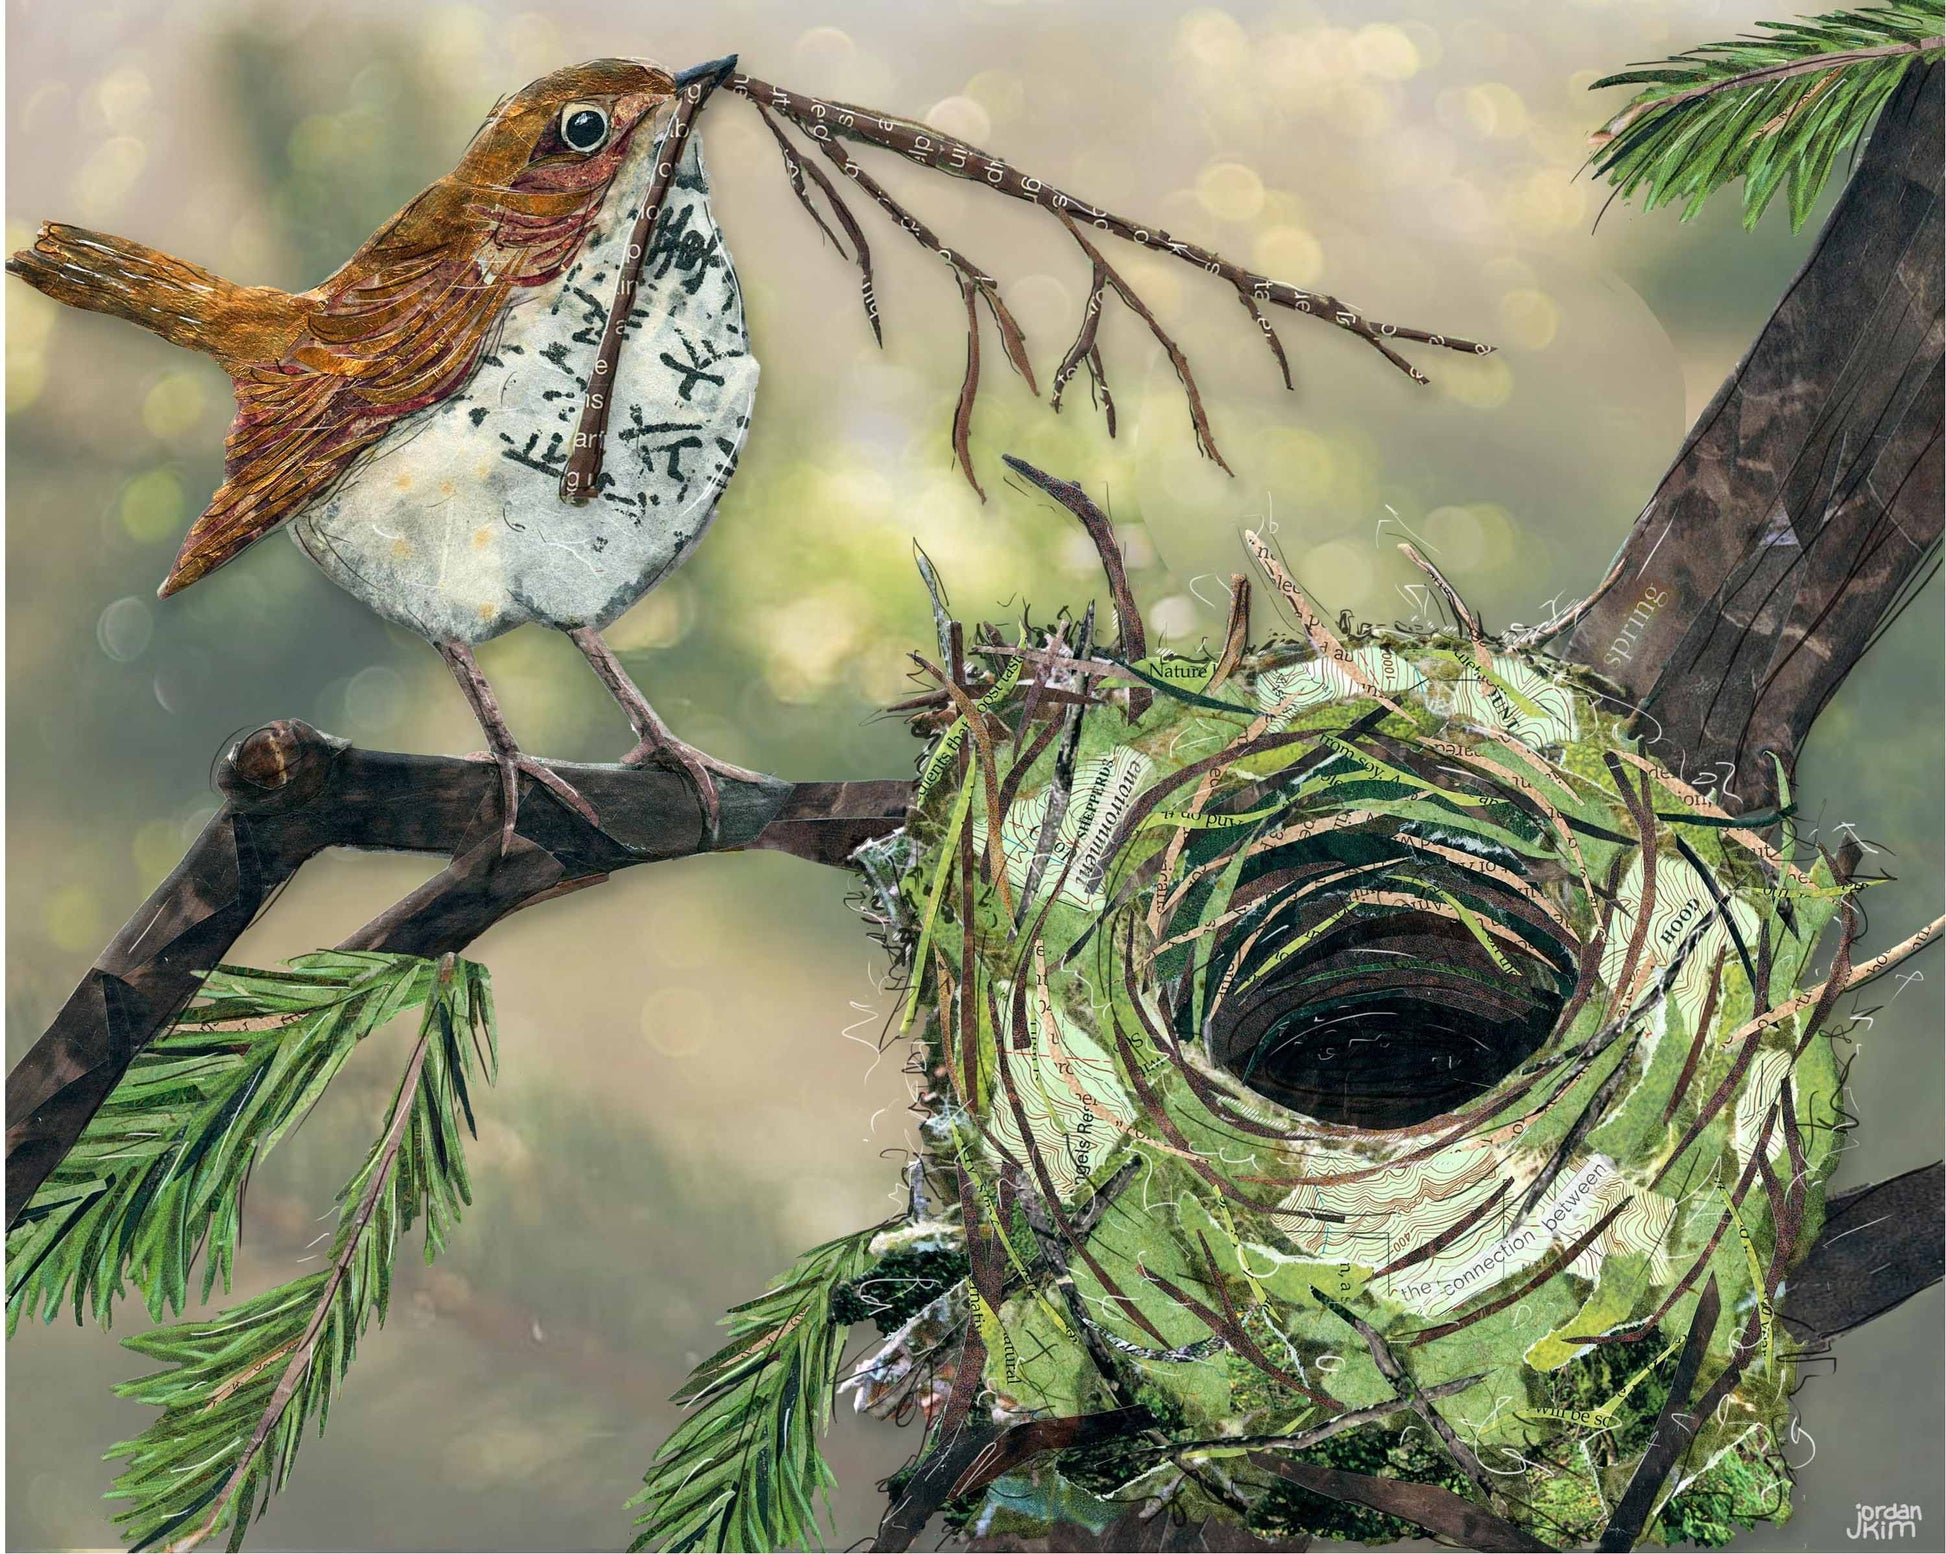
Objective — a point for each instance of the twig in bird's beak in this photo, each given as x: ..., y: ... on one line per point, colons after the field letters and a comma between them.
x: 583, y: 471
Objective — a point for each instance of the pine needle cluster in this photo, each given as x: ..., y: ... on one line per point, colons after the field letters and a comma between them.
x: 1775, y: 110
x: 158, y: 1179
x: 745, y: 1470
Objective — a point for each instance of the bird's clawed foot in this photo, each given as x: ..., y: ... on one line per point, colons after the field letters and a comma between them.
x: 501, y: 749
x: 659, y: 747
x: 512, y: 763
x: 655, y: 745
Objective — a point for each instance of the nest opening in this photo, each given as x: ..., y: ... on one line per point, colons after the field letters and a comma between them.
x: 1388, y: 999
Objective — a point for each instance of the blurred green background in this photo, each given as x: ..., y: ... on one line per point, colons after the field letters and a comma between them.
x: 691, y: 1091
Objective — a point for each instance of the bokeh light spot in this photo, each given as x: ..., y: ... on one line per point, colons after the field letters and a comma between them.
x: 152, y: 506
x: 174, y: 406
x: 1289, y: 253
x: 107, y: 176
x: 1385, y: 52
x: 1230, y: 191
x: 961, y: 117
x: 676, y: 1021
x: 1482, y: 383
x: 74, y: 918
x: 1529, y: 319
x: 125, y: 628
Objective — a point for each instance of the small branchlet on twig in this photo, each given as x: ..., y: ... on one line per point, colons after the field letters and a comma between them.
x: 1085, y: 352
x: 1104, y: 271
x: 797, y: 169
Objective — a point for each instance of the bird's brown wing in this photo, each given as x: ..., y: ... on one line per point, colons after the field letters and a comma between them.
x: 398, y: 328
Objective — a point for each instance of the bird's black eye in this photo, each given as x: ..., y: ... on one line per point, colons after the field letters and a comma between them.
x: 584, y: 127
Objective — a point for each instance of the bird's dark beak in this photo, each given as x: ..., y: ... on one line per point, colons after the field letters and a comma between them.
x: 710, y: 74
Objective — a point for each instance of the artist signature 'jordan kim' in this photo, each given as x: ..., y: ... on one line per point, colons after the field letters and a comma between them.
x: 1885, y: 1521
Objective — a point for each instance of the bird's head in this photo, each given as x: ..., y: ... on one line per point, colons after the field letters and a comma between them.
x: 571, y: 130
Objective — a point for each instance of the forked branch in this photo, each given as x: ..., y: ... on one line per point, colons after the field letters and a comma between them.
x: 291, y: 793
x: 1105, y: 272
x: 975, y: 286
x: 827, y: 122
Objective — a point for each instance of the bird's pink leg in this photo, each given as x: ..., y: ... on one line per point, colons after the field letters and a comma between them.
x: 502, y: 750
x: 653, y: 739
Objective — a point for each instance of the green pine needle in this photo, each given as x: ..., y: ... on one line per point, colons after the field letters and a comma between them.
x: 241, y: 1386
x: 158, y: 1175
x: 1775, y: 111
x: 741, y: 1473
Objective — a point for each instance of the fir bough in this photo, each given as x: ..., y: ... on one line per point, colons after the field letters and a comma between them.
x: 1775, y: 111
x: 158, y: 1176
x: 241, y: 1386
x: 743, y: 1471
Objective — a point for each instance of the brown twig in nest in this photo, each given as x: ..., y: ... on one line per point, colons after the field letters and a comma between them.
x: 1236, y: 634
x: 1131, y: 640
x: 826, y: 122
x: 1467, y: 620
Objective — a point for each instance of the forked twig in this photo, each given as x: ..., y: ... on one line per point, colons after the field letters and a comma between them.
x: 1085, y: 352
x: 926, y: 238
x: 929, y: 147
x: 826, y: 122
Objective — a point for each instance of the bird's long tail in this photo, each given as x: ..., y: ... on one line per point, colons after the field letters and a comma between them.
x: 182, y: 302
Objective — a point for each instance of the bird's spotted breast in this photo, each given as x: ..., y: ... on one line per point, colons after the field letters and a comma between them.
x: 454, y: 525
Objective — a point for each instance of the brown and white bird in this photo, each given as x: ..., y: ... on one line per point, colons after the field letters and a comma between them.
x: 412, y: 418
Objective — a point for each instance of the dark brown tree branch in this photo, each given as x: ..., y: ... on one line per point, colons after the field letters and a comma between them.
x: 291, y: 793
x: 1806, y: 505
x: 1880, y: 1246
